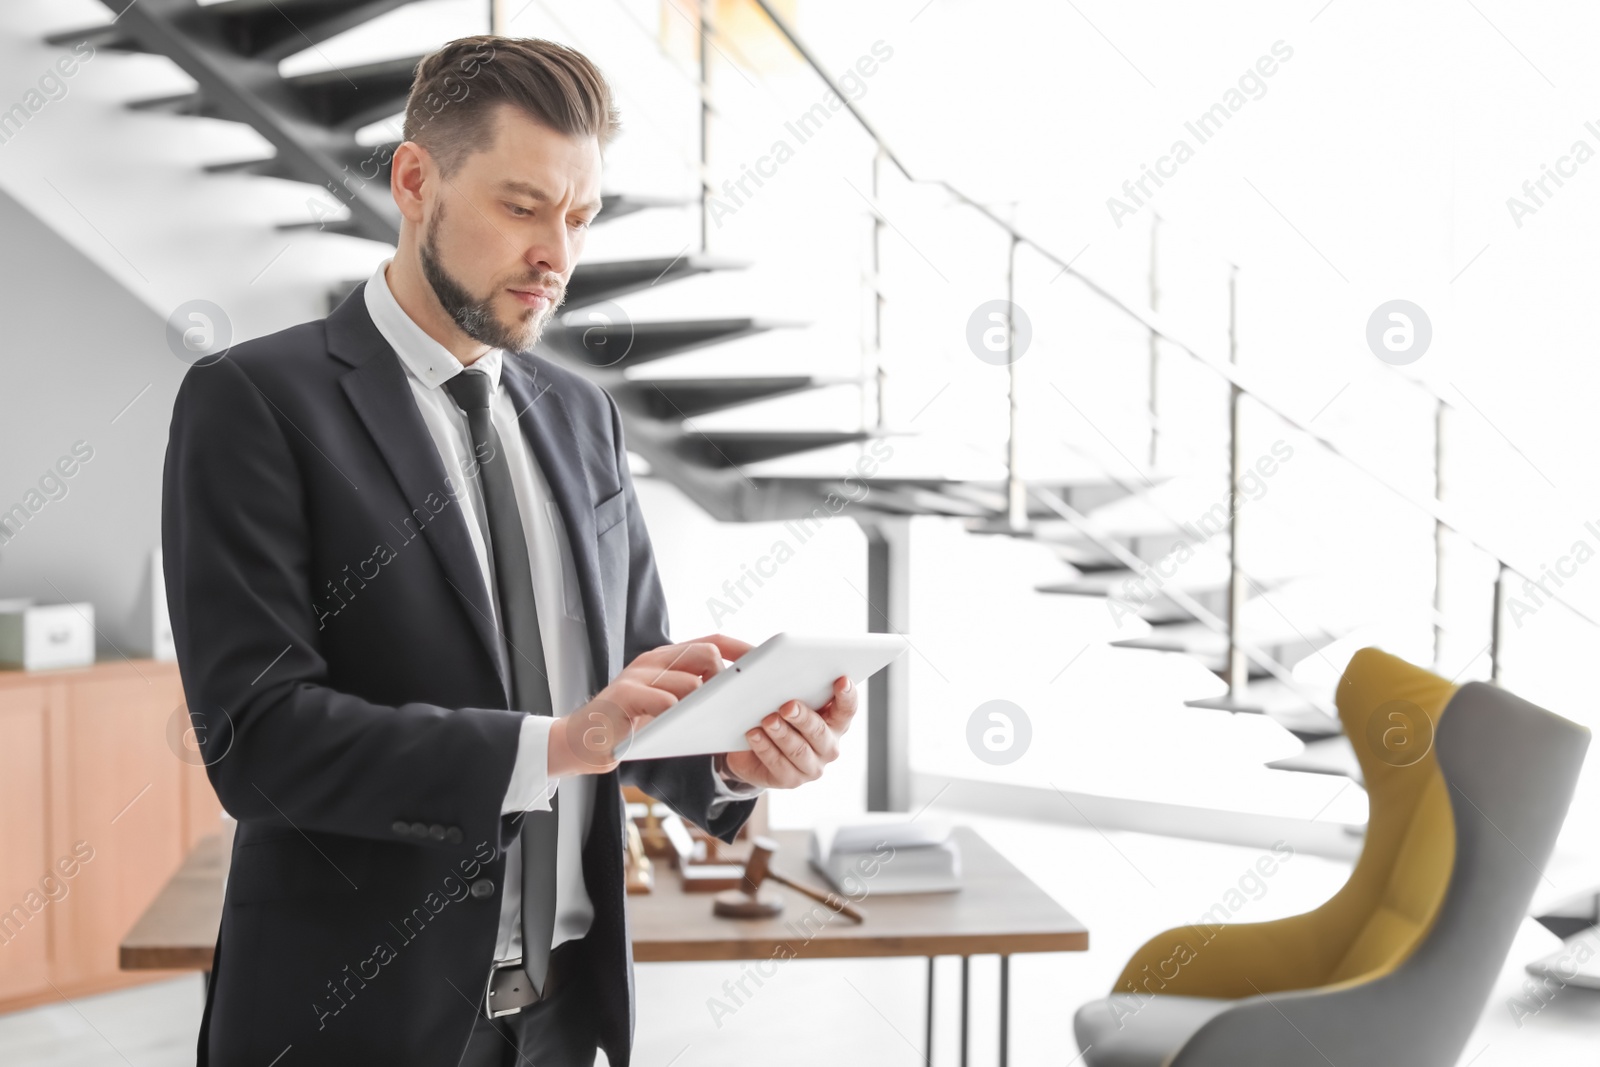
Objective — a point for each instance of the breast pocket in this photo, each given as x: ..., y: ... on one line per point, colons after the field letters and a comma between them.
x: 610, y: 511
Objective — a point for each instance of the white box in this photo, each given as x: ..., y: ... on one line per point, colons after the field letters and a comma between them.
x: 45, y: 636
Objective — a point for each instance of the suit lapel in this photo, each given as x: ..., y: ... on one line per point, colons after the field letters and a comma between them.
x: 551, y: 434
x: 381, y: 396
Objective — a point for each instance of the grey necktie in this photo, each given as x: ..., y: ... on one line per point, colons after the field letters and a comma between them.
x: 530, y: 688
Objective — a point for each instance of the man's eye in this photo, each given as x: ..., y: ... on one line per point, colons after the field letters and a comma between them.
x: 582, y: 224
x: 518, y: 210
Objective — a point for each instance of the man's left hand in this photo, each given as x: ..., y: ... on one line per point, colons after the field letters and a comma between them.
x: 794, y: 743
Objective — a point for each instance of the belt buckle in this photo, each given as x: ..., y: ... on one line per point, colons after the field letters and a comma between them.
x: 509, y: 991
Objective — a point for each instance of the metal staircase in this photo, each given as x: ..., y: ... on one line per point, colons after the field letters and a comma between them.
x: 232, y: 49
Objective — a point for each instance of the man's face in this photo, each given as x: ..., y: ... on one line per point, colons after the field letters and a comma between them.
x: 504, y: 232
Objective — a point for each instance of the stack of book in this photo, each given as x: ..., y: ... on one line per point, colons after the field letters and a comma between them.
x: 889, y: 853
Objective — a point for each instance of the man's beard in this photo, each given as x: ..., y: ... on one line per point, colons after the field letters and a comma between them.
x: 476, y: 318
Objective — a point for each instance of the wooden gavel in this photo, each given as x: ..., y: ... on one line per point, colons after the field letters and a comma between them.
x: 748, y: 902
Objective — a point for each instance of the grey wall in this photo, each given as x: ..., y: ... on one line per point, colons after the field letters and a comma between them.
x: 75, y: 349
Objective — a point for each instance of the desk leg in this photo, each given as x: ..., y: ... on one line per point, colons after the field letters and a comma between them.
x: 1005, y: 1008
x: 964, y: 1011
x: 927, y: 1033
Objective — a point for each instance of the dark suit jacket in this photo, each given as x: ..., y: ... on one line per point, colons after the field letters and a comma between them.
x: 334, y: 639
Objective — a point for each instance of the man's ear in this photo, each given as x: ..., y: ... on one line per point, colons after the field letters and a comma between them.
x: 409, y: 174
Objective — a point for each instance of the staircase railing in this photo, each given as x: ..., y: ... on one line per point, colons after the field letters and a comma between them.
x: 1240, y: 386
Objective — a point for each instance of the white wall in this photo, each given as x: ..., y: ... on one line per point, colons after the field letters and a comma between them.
x: 81, y: 360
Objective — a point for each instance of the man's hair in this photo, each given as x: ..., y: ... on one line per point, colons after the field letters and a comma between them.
x: 456, y: 92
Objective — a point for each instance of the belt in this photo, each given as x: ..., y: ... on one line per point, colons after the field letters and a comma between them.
x: 509, y: 989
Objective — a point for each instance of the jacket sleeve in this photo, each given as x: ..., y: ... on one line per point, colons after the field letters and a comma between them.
x: 686, y: 784
x: 279, y: 743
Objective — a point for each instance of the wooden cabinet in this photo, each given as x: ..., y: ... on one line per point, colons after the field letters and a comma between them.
x: 24, y: 945
x: 102, y: 799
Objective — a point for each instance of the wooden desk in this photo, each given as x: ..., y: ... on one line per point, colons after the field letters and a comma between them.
x: 178, y: 931
x: 998, y: 911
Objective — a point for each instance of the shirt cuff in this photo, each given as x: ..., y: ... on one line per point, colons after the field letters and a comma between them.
x: 531, y: 785
x: 729, y: 788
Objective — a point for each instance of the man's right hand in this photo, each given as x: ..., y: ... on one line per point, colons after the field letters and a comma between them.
x: 585, y: 742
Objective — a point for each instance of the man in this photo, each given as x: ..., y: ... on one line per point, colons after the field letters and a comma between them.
x: 416, y: 611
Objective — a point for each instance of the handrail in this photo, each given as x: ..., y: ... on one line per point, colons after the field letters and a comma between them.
x: 1152, y: 321
x: 816, y: 65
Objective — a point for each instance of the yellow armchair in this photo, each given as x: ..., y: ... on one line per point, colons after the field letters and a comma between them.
x: 1467, y: 787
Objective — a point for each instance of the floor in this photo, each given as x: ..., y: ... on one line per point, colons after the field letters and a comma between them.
x: 1123, y: 886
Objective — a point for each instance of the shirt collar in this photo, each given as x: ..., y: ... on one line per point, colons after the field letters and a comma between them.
x: 424, y: 359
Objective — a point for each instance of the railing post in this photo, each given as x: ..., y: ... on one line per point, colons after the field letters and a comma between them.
x: 704, y: 50
x: 1238, y: 667
x: 1496, y: 630
x: 874, y: 352
x: 1155, y: 341
x: 1016, y: 490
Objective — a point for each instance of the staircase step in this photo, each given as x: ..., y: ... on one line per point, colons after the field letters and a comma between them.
x: 358, y: 157
x: 260, y: 29
x: 190, y: 104
x: 1333, y: 756
x: 670, y: 398
x: 1574, y: 965
x: 1198, y: 639
x: 1080, y: 550
x: 1154, y: 607
x: 605, y: 344
x: 1267, y: 698
x: 984, y: 499
x: 347, y: 227
x: 1215, y: 663
x: 592, y: 283
x: 354, y: 97
x: 881, y: 494
x: 615, y: 206
x: 736, y: 448
x: 1280, y: 703
x: 344, y: 100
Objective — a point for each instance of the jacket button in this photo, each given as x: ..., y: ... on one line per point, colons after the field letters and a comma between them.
x: 419, y: 829
x: 400, y: 826
x: 453, y: 835
x: 436, y: 832
x: 482, y: 888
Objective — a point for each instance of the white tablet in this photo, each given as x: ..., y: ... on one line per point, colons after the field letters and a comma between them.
x: 785, y: 667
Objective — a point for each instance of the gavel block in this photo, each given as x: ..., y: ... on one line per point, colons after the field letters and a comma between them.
x: 711, y: 877
x: 749, y: 901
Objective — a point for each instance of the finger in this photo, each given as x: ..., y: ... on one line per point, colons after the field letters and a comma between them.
x: 702, y: 657
x: 640, y: 702
x: 842, y: 708
x: 810, y: 725
x: 731, y: 647
x: 679, y: 683
x: 784, y: 775
x: 793, y: 744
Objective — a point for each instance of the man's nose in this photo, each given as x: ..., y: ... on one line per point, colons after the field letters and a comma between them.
x: 551, y: 254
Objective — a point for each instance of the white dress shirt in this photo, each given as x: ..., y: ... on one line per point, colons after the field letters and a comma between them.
x: 428, y: 366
